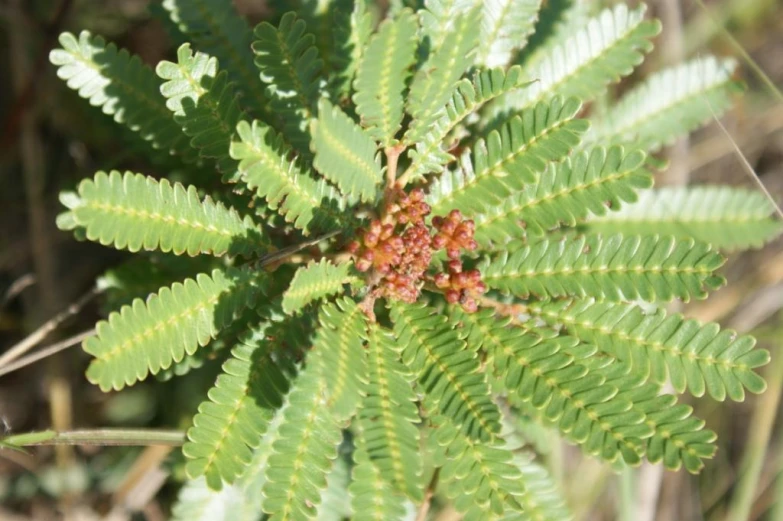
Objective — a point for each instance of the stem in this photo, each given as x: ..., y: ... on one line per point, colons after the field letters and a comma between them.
x: 755, y: 456
x: 392, y: 155
x: 97, y: 437
x: 45, y: 352
x: 424, y: 509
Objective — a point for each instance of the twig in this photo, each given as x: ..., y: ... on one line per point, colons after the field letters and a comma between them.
x: 45, y: 352
x: 424, y: 509
x: 127, y: 437
x: 17, y: 287
x: 39, y: 334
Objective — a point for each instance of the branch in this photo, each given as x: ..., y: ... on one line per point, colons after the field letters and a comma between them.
x: 46, y: 352
x: 128, y: 437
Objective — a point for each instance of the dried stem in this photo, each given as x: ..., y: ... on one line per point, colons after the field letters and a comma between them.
x: 424, y: 509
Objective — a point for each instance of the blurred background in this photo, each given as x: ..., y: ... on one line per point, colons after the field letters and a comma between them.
x: 50, y: 139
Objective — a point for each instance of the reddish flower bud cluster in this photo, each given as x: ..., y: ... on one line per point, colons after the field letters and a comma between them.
x: 400, y: 251
x: 461, y: 286
x: 454, y: 234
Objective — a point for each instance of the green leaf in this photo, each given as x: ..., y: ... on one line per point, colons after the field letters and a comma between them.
x: 611, y: 268
x: 134, y: 212
x: 122, y: 86
x: 264, y: 165
x: 469, y: 96
x: 434, y: 82
x: 351, y: 35
x: 483, y: 481
x: 567, y: 193
x: 204, y: 104
x: 381, y: 76
x: 728, y: 218
x: 303, y: 453
x: 446, y: 369
x: 541, y: 499
x: 606, y: 49
x: 290, y: 67
x: 231, y: 423
x: 552, y: 17
x: 314, y: 282
x: 690, y: 355
x: 510, y: 158
x: 216, y: 29
x: 340, y: 356
x: 146, y: 337
x: 669, y: 104
x: 372, y: 497
x: 388, y: 419
x: 344, y: 153
x: 505, y: 26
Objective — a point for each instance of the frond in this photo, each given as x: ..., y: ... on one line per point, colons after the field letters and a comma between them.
x: 482, y: 480
x: 669, y: 104
x: 586, y: 183
x: 438, y: 18
x: 288, y: 60
x: 446, y: 369
x: 676, y: 438
x: 606, y: 49
x: 540, y: 370
x: 694, y: 356
x: 372, y: 497
x: 303, y: 453
x: 351, y: 35
x: 728, y: 218
x: 134, y: 212
x: 314, y: 282
x: 264, y: 165
x: 434, y: 82
x: 150, y: 335
x: 340, y: 356
x: 505, y: 26
x: 203, y: 103
x: 381, y: 76
x: 612, y: 268
x: 335, y: 500
x: 122, y: 86
x: 388, y: 420
x: 231, y: 423
x: 469, y: 96
x: 541, y: 500
x: 509, y: 158
x: 344, y: 153
x: 553, y: 16
x: 215, y: 28
x: 240, y: 501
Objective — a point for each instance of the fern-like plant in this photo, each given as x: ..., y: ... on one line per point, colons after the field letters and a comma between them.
x: 425, y: 234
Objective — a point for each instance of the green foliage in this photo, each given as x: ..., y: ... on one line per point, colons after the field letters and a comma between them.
x: 669, y: 104
x: 122, y: 86
x: 146, y: 337
x: 607, y: 48
x: 314, y: 282
x: 432, y: 351
x: 264, y: 167
x: 340, y: 356
x: 217, y: 30
x: 587, y: 183
x: 303, y: 453
x: 510, y: 158
x: 380, y: 78
x: 699, y: 357
x: 434, y: 83
x: 612, y: 268
x: 388, y: 419
x: 344, y: 153
x: 726, y: 217
x: 358, y: 364
x: 290, y: 67
x: 505, y: 25
x: 134, y: 212
x: 468, y: 97
x: 204, y: 103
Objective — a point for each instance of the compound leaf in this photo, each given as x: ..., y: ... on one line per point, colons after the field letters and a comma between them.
x: 134, y: 212
x: 314, y: 282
